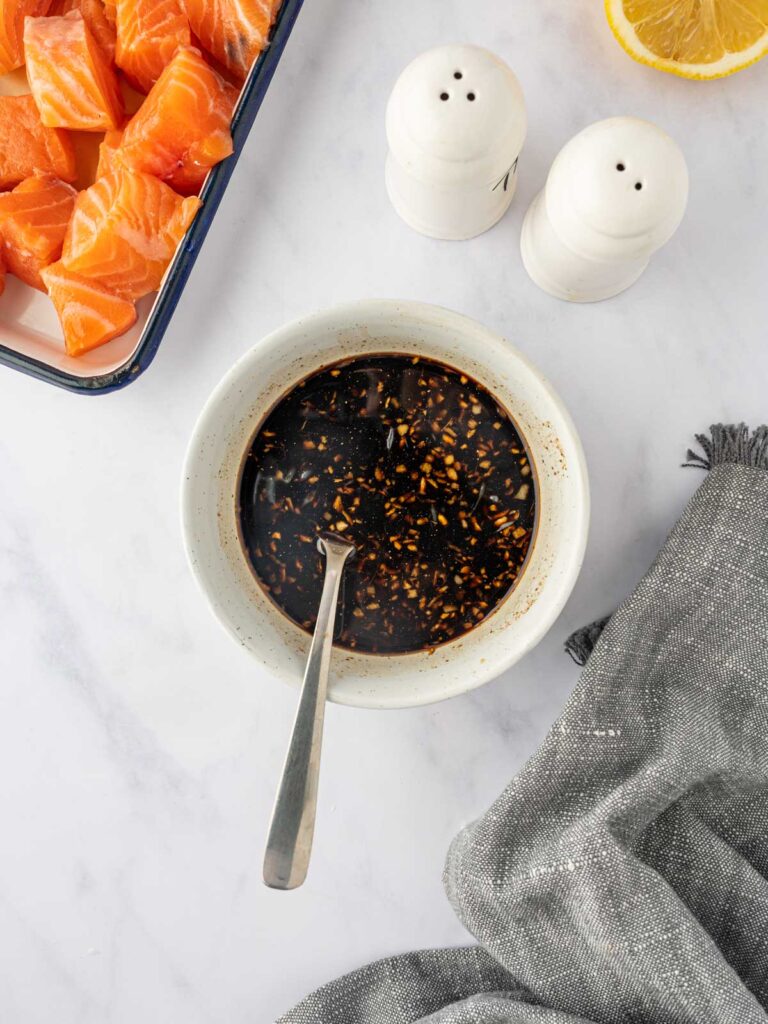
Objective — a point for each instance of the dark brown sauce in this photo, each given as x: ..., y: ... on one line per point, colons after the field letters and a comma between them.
x: 419, y: 467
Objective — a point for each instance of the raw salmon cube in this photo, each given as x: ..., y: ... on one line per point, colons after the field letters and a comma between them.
x: 182, y: 128
x: 12, y: 15
x: 148, y: 34
x: 108, y: 150
x: 33, y: 223
x: 234, y: 31
x: 72, y: 81
x: 96, y: 18
x: 90, y: 315
x: 124, y: 231
x: 27, y: 147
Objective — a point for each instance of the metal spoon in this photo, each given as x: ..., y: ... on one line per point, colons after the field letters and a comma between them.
x: 293, y: 820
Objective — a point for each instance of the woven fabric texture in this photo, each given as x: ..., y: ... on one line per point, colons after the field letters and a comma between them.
x: 622, y: 876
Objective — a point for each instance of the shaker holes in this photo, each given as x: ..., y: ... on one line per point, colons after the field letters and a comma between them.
x: 620, y: 167
x: 444, y: 96
x: 471, y: 97
x: 638, y: 185
x: 457, y: 75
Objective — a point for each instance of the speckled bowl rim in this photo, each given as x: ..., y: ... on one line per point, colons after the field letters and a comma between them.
x: 266, y: 371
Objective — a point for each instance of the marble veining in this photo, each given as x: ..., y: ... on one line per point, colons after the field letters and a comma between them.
x: 140, y: 748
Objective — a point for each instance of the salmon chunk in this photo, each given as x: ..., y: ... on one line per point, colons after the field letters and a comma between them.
x: 33, y: 224
x: 182, y: 129
x: 234, y: 31
x: 148, y: 34
x: 124, y: 231
x: 109, y: 147
x: 27, y: 147
x: 97, y: 19
x: 90, y: 315
x: 12, y: 15
x: 72, y: 81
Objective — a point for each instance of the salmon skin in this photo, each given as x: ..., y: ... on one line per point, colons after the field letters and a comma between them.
x: 33, y: 224
x: 234, y: 31
x: 72, y: 81
x: 12, y: 15
x: 89, y: 314
x: 27, y: 147
x: 148, y: 34
x: 182, y: 129
x: 124, y: 231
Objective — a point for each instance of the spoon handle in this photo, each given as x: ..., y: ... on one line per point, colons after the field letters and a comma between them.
x: 289, y: 844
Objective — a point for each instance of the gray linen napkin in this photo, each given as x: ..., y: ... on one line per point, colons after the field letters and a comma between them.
x: 622, y: 876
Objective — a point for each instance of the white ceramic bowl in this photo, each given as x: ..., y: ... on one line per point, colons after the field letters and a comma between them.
x: 273, y: 367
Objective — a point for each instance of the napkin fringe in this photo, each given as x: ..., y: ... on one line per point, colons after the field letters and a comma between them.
x: 580, y: 644
x: 732, y: 443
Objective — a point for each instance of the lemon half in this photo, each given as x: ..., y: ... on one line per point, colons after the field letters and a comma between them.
x: 692, y: 38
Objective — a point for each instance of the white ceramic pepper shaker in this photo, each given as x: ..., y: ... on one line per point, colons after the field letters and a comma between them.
x: 455, y: 125
x: 614, y: 195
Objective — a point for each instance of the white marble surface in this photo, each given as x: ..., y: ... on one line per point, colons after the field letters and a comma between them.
x: 140, y: 748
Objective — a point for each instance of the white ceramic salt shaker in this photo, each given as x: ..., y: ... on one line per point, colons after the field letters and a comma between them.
x: 455, y: 125
x: 614, y: 195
